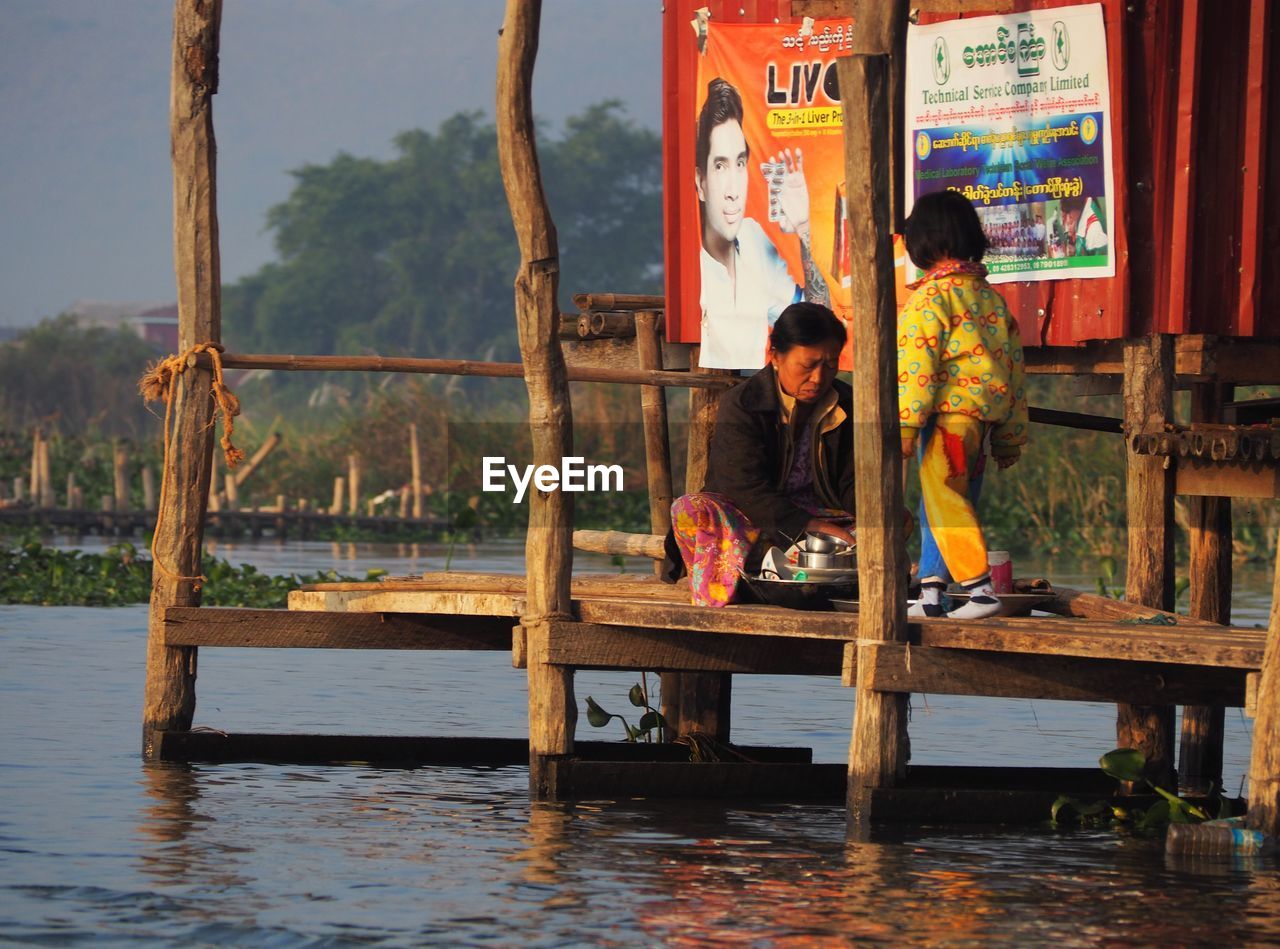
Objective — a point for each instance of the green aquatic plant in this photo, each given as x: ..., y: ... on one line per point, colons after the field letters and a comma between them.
x: 33, y: 574
x: 650, y: 722
x: 1126, y: 765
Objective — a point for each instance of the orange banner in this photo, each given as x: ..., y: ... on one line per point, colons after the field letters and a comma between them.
x: 767, y: 224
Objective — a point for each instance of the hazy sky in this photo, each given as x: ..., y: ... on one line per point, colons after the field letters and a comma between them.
x: 85, y: 180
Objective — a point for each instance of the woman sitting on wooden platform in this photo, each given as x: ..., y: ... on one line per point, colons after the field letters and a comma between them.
x: 781, y: 461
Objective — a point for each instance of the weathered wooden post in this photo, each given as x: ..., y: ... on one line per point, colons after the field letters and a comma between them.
x: 1264, y: 764
x: 46, y: 476
x: 353, y: 485
x: 653, y: 413
x: 148, y: 489
x: 1148, y: 406
x: 415, y: 471
x: 1200, y: 756
x: 703, y: 405
x: 36, y: 438
x: 549, y: 544
x: 879, y: 748
x: 171, y: 671
x: 120, y: 476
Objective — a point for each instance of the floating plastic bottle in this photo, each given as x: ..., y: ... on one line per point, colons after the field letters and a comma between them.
x: 1219, y: 838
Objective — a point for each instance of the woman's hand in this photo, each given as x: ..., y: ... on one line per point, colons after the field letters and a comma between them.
x: 817, y: 525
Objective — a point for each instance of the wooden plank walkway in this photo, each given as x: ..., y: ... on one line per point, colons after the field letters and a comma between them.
x: 1094, y: 651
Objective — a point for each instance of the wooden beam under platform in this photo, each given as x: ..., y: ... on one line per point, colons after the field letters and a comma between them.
x: 288, y: 629
x: 937, y: 671
x: 210, y: 745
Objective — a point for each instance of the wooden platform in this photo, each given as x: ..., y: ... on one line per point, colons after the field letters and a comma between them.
x: 1093, y: 649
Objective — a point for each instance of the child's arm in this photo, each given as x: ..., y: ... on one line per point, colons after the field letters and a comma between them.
x: 921, y: 339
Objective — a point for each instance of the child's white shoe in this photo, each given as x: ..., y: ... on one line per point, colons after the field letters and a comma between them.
x: 978, y: 607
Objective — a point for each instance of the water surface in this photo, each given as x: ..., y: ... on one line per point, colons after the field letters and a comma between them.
x: 93, y: 843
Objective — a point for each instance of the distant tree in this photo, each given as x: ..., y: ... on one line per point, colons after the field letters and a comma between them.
x: 75, y: 379
x: 416, y: 255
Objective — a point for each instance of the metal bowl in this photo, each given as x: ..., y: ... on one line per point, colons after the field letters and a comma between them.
x: 817, y: 542
x: 808, y: 560
x: 802, y: 595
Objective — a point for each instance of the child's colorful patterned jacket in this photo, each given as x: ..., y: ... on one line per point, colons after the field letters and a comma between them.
x: 959, y: 351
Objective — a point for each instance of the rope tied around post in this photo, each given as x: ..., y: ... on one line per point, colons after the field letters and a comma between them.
x: 159, y: 383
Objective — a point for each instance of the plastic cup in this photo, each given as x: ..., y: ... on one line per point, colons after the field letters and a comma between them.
x: 1001, y: 567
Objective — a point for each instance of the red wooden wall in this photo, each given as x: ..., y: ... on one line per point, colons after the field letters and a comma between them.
x: 1196, y: 157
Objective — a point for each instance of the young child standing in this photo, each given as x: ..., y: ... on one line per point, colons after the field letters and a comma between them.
x: 960, y: 384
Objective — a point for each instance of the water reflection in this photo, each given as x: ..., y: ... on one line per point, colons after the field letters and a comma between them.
x: 697, y: 875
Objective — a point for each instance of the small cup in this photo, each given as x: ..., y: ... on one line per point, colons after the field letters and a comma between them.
x: 1001, y: 570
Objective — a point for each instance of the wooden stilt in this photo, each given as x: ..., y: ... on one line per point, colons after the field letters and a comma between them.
x: 353, y: 485
x: 120, y: 475
x: 879, y: 749
x: 46, y: 476
x: 1148, y: 400
x: 1200, y: 756
x: 171, y: 671
x: 36, y: 438
x: 415, y: 471
x: 653, y: 409
x: 148, y: 489
x: 703, y: 405
x: 549, y: 543
x: 1264, y: 764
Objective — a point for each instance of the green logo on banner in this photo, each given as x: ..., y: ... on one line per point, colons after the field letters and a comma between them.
x: 941, y: 61
x: 1060, y: 46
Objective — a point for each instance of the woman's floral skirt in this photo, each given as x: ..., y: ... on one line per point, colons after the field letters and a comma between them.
x: 714, y: 538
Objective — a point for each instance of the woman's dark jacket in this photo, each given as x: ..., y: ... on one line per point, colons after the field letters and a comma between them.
x: 748, y: 453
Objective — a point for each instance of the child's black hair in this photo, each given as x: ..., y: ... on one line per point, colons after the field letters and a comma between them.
x: 943, y: 226
x: 806, y: 324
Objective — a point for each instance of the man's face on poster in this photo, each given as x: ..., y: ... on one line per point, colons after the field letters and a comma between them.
x: 722, y: 185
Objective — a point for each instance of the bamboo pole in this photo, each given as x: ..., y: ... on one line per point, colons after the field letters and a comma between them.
x: 620, y: 543
x: 36, y: 494
x: 1203, y: 726
x: 46, y: 477
x: 415, y: 468
x: 120, y: 476
x: 171, y: 671
x: 1148, y: 401
x: 19, y: 488
x: 232, y: 493
x: 1264, y: 762
x: 459, y: 367
x: 353, y: 485
x: 247, y: 468
x: 71, y: 490
x: 404, y: 502
x: 549, y: 543
x: 618, y: 301
x: 148, y: 489
x: 878, y: 751
x: 339, y: 492
x: 612, y: 325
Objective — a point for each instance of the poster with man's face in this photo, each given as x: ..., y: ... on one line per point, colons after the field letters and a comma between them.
x: 769, y: 184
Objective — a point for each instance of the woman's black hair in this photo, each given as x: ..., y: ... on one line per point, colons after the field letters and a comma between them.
x: 806, y: 324
x: 943, y: 225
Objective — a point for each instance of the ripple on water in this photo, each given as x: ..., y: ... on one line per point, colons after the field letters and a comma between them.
x: 96, y: 845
